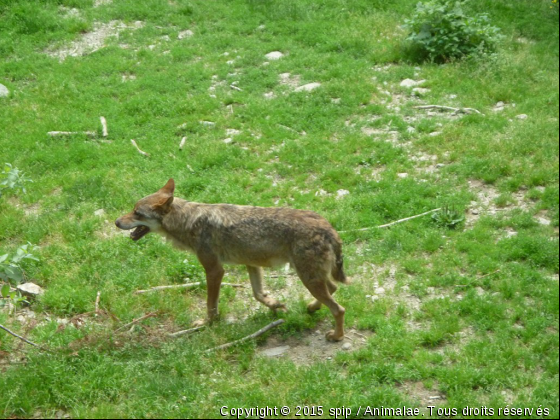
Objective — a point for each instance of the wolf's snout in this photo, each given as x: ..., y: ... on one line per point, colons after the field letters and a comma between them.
x: 118, y: 223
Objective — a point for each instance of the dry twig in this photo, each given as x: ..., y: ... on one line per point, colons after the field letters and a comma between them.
x: 23, y: 339
x: 136, y: 321
x: 392, y: 223
x: 137, y: 148
x: 182, y: 286
x: 183, y: 140
x: 104, y: 126
x: 71, y: 133
x: 249, y: 337
x: 186, y: 332
x: 450, y: 108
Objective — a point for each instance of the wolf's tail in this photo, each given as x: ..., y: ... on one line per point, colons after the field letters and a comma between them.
x: 338, y: 269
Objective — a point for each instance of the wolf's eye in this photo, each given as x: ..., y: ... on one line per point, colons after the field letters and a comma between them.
x: 137, y: 214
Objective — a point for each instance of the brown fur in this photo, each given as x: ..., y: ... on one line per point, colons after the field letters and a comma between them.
x: 253, y: 236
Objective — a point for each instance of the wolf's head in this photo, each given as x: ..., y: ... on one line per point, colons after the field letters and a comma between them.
x: 148, y: 212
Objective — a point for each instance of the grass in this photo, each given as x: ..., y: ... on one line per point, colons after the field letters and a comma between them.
x: 469, y: 314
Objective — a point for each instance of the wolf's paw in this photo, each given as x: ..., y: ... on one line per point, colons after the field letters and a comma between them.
x: 331, y: 336
x: 279, y: 307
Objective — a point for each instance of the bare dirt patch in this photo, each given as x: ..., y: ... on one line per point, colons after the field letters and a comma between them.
x: 424, y: 396
x: 94, y: 40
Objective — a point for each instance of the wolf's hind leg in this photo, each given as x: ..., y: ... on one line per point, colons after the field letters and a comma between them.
x: 256, y: 276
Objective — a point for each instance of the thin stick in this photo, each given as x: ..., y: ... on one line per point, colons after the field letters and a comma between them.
x: 392, y: 223
x: 489, y: 274
x: 236, y: 88
x: 183, y: 286
x: 136, y: 321
x: 450, y: 108
x: 183, y: 140
x: 173, y: 286
x: 23, y: 339
x: 97, y: 302
x: 71, y: 133
x: 137, y: 148
x: 104, y: 126
x: 186, y: 332
x: 249, y: 337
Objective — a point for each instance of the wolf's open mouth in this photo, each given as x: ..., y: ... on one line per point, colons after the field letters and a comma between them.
x: 139, y: 232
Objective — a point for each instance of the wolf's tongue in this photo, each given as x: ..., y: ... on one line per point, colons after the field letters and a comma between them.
x: 139, y: 232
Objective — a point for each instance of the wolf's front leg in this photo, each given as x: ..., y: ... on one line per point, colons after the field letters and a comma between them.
x: 214, y: 276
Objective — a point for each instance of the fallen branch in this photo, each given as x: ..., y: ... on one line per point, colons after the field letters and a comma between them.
x: 137, y: 148
x: 450, y: 108
x: 249, y: 337
x: 392, y: 223
x: 236, y: 88
x: 104, y: 126
x: 186, y: 332
x: 136, y: 321
x: 182, y: 286
x: 183, y: 140
x: 23, y: 339
x: 71, y: 133
x: 97, y: 302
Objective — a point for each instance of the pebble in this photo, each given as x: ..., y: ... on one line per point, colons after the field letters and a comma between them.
x: 346, y: 346
x: 185, y: 34
x: 3, y: 91
x: 99, y: 212
x: 411, y: 83
x: 274, y: 55
x: 308, y: 87
x: 522, y: 116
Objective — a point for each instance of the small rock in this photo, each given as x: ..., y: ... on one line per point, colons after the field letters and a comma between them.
x: 403, y: 175
x: 380, y: 291
x: 435, y: 133
x: 308, y: 87
x: 346, y: 346
x: 30, y: 289
x: 440, y: 165
x: 408, y: 83
x: 208, y: 123
x: 522, y: 116
x: 185, y: 34
x: 543, y: 221
x: 228, y: 140
x: 479, y: 291
x: 99, y: 212
x: 274, y: 55
x: 452, y: 96
x: 232, y: 132
x: 475, y: 212
x: 335, y: 101
x: 3, y: 91
x: 410, y: 130
x: 342, y: 193
x: 269, y: 95
x: 420, y: 91
x: 275, y: 351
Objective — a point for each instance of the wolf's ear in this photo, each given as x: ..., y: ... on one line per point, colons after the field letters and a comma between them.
x: 169, y: 187
x: 164, y: 205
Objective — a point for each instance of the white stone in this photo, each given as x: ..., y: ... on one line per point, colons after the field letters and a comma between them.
x: 185, y: 34
x: 411, y: 83
x: 99, y: 212
x: 228, y: 140
x: 274, y: 55
x: 342, y: 193
x: 3, y: 91
x: 420, y: 91
x: 522, y: 116
x: 403, y: 175
x: 30, y: 289
x: 346, y: 346
x: 275, y: 351
x: 308, y: 87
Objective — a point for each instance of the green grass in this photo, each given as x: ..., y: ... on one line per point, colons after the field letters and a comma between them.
x: 469, y: 313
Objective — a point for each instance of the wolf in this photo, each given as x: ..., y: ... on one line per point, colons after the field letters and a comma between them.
x: 256, y: 237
